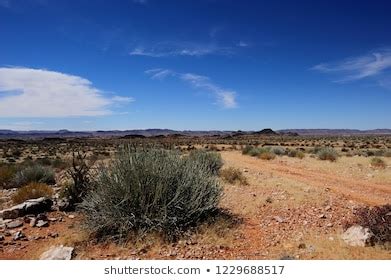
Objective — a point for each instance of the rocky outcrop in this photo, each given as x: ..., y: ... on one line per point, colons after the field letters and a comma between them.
x: 31, y: 206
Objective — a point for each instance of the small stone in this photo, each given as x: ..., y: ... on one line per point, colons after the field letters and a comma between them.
x: 2, y: 238
x: 42, y: 223
x: 269, y: 200
x: 322, y: 216
x: 14, y: 224
x: 301, y: 246
x: 327, y: 208
x: 357, y: 236
x: 71, y: 216
x: 278, y: 219
x: 58, y: 253
x: 329, y: 225
x: 42, y: 217
x: 18, y: 236
x: 53, y: 234
x: 33, y: 222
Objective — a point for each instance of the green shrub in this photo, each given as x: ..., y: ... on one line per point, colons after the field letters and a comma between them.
x: 7, y: 172
x: 32, y: 190
x: 247, y: 149
x: 150, y: 190
x: 296, y: 153
x: 327, y: 154
x: 256, y: 151
x: 378, y: 163
x: 211, y: 160
x: 233, y: 175
x: 279, y: 151
x: 34, y: 173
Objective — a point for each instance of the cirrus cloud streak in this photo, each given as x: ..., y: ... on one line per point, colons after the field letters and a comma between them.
x: 226, y: 98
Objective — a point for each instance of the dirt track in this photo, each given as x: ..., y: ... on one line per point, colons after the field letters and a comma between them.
x: 363, y: 192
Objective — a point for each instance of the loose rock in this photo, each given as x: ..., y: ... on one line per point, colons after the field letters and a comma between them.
x: 357, y: 236
x: 31, y: 206
x: 14, y: 224
x: 58, y: 253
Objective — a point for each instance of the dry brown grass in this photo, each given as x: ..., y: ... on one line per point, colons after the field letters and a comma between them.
x: 32, y: 190
x: 267, y: 156
x: 233, y: 175
x: 378, y: 163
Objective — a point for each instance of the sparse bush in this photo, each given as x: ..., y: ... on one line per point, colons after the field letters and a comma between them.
x: 377, y: 219
x: 279, y: 151
x: 32, y: 190
x: 233, y: 175
x: 150, y: 190
x: 327, y: 154
x: 247, y: 149
x: 211, y: 160
x: 44, y: 161
x: 267, y: 156
x: 7, y: 172
x: 378, y: 163
x: 296, y: 153
x: 80, y: 176
x: 34, y: 173
x: 256, y: 151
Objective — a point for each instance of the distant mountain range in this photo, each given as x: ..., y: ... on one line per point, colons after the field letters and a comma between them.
x: 140, y: 133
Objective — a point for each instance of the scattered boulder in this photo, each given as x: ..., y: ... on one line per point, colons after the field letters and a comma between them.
x: 19, y: 236
x: 31, y: 206
x: 2, y: 238
x: 42, y: 223
x: 357, y: 235
x: 58, y: 253
x: 14, y: 224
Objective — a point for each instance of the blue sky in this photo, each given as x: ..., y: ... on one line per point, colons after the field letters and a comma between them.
x: 197, y: 65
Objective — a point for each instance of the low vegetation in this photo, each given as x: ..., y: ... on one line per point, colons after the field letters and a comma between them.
x: 378, y: 163
x: 150, y: 190
x: 7, y: 173
x: 267, y: 155
x: 34, y: 173
x: 296, y: 153
x: 327, y: 153
x: 80, y: 180
x: 211, y: 160
x: 32, y: 190
x: 233, y: 175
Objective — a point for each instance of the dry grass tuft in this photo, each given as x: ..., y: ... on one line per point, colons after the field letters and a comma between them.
x: 378, y: 163
x: 233, y: 175
x: 33, y: 190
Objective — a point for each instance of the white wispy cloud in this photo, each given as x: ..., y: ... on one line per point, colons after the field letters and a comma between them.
x: 180, y: 49
x: 226, y: 98
x: 243, y: 44
x: 373, y: 64
x: 27, y: 92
